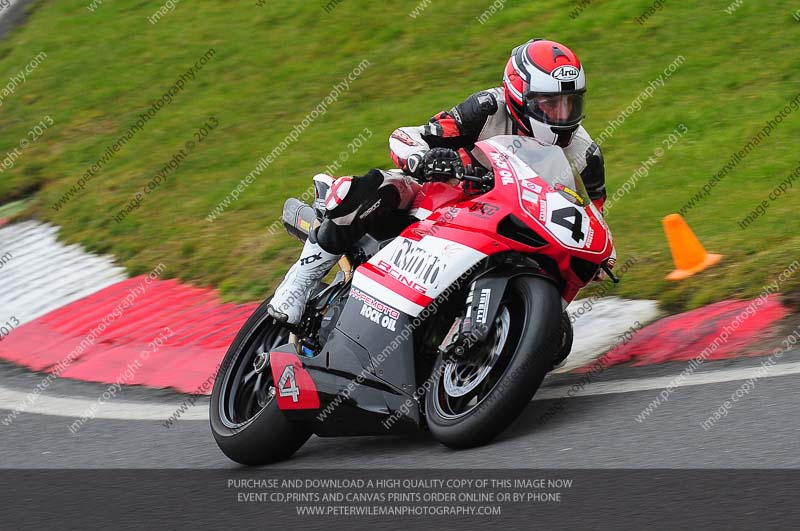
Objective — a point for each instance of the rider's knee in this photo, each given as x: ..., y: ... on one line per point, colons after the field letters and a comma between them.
x: 333, y: 238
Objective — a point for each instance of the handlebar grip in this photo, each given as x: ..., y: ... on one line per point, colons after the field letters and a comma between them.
x: 486, y: 179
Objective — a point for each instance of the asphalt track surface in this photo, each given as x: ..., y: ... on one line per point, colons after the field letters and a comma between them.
x: 12, y: 15
x: 595, y: 429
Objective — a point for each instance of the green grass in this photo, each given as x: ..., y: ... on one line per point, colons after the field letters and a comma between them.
x: 12, y: 209
x: 275, y: 63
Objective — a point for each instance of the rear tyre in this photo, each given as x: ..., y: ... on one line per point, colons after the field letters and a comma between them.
x: 476, y: 396
x: 245, y: 419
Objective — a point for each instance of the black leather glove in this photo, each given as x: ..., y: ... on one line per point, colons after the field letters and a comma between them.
x: 436, y: 164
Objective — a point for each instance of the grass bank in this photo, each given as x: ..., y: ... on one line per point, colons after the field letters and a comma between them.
x: 274, y: 64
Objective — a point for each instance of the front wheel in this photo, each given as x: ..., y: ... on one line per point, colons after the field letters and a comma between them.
x: 245, y: 419
x: 477, y: 395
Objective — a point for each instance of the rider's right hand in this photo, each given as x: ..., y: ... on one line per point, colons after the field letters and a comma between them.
x: 436, y: 164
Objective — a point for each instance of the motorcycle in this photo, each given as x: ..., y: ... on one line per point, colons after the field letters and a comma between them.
x: 451, y: 325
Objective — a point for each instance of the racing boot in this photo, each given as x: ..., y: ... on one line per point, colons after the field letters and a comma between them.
x: 292, y: 295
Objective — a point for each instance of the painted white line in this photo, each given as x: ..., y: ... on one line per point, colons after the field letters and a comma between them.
x: 660, y: 382
x: 7, y: 9
x: 114, y: 409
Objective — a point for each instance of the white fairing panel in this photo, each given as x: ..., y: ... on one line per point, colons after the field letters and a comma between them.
x: 410, y: 274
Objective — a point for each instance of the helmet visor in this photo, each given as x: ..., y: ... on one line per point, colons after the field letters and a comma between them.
x: 555, y: 109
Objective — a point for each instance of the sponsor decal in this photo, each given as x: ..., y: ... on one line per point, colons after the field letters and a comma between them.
x: 500, y: 162
x: 419, y: 233
x: 566, y: 73
x: 374, y: 303
x: 483, y: 306
x: 404, y: 138
x: 483, y: 210
x: 311, y: 259
x: 420, y: 263
x: 371, y: 209
x: 506, y: 177
x: 571, y: 194
x: 487, y: 102
x: 531, y: 198
x: 401, y: 277
x: 590, y: 237
x: 599, y: 217
x: 533, y: 187
x: 424, y: 267
x: 378, y: 317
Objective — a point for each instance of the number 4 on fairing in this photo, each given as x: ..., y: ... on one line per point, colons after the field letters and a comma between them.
x: 560, y: 217
x: 287, y: 385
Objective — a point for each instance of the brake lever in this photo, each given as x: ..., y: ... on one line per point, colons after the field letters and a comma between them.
x: 607, y: 270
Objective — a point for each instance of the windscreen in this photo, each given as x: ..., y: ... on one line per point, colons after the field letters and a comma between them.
x: 548, y: 161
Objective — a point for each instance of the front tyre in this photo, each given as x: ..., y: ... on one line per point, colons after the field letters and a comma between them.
x: 245, y: 419
x: 477, y: 395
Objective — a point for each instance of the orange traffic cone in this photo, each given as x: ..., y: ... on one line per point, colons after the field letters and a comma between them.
x: 688, y: 253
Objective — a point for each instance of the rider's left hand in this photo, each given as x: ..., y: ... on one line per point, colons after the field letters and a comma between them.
x: 437, y: 164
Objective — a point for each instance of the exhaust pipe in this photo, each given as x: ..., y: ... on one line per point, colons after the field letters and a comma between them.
x: 299, y: 218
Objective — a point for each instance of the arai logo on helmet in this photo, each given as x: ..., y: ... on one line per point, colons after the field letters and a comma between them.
x: 566, y: 73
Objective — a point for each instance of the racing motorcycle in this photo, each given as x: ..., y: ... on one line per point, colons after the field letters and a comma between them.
x: 452, y: 325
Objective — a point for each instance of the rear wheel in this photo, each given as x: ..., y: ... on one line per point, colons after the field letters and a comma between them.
x: 477, y: 395
x: 245, y: 419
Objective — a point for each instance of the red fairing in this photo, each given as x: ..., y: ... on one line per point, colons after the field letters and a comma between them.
x: 383, y: 273
x: 466, y: 160
x: 433, y: 195
x: 294, y: 388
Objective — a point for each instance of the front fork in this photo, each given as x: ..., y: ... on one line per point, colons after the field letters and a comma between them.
x: 481, y: 306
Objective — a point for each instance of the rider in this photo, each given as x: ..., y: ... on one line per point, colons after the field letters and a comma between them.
x: 542, y: 96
